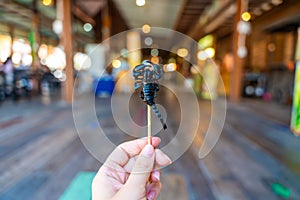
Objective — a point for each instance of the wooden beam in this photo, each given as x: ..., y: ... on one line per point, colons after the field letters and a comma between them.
x: 237, y: 72
x: 82, y: 15
x: 36, y: 37
x: 178, y: 17
x: 67, y: 42
x: 198, y: 31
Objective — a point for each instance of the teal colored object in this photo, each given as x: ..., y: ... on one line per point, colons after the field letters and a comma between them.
x: 281, y: 190
x: 80, y: 188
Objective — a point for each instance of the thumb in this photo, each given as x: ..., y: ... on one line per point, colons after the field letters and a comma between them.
x: 142, y: 168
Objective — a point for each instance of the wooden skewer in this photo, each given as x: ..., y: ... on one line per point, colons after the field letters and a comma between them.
x: 149, y: 131
x: 149, y: 124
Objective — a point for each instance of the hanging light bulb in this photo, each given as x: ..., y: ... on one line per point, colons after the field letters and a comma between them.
x: 46, y: 2
x: 140, y: 2
x: 246, y: 16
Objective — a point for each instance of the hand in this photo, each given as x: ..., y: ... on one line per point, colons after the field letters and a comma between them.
x: 131, y: 172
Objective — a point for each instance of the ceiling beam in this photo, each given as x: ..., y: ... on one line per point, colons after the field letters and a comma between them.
x: 178, y: 17
x: 82, y: 15
x: 226, y: 11
x: 12, y: 7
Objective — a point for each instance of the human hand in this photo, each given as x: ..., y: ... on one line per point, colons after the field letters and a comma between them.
x: 131, y: 172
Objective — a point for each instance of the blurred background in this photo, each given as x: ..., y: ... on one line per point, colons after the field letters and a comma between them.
x: 243, y: 53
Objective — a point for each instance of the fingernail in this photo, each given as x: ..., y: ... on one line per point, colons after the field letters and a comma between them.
x: 167, y: 158
x: 148, y: 150
x: 156, y: 175
x: 151, y: 195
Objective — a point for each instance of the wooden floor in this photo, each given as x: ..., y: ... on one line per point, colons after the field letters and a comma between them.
x: 40, y: 152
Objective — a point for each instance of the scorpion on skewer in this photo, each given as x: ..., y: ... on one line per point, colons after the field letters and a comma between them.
x: 146, y: 76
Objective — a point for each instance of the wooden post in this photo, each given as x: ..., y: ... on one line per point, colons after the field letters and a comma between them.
x: 67, y: 43
x: 106, y: 22
x: 11, y: 34
x: 36, y: 36
x: 237, y: 72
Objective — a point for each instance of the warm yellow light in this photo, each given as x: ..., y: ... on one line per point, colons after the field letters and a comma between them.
x: 5, y: 47
x: 26, y: 48
x: 140, y: 2
x: 43, y: 51
x: 210, y: 52
x: 116, y: 63
x: 146, y: 28
x: 27, y: 60
x: 47, y: 2
x: 171, y: 67
x: 246, y: 16
x: 56, y: 59
x: 183, y: 52
x: 16, y: 58
x: 82, y: 61
x: 17, y: 45
x: 155, y: 60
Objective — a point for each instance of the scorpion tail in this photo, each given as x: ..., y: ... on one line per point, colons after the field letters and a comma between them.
x: 156, y: 111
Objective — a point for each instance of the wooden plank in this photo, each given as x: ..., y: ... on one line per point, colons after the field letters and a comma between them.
x: 14, y: 141
x: 13, y: 169
x: 68, y: 166
x: 24, y: 188
x: 174, y: 187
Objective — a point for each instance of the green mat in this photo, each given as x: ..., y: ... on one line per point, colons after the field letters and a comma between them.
x: 80, y: 187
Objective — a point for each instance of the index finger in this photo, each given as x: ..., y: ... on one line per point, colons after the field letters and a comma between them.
x: 127, y: 150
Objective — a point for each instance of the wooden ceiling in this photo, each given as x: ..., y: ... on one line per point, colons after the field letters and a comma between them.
x: 190, y: 13
x: 90, y: 7
x: 201, y: 17
x: 18, y: 16
x: 194, y: 18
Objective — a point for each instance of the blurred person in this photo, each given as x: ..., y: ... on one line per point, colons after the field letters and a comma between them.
x: 131, y: 172
x: 22, y: 82
x: 8, y: 69
x: 2, y: 85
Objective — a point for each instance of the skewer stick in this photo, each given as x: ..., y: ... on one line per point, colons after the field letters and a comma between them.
x: 149, y: 124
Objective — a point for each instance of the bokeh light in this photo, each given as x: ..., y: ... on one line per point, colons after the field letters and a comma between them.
x: 246, y: 16
x: 16, y: 58
x: 116, y: 63
x: 146, y: 28
x: 140, y: 2
x: 210, y: 52
x: 46, y: 2
x: 43, y: 51
x: 148, y: 41
x: 154, y: 52
x: 171, y: 67
x: 82, y: 61
x: 87, y: 27
x: 201, y: 55
x: 27, y: 60
x: 182, y: 52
